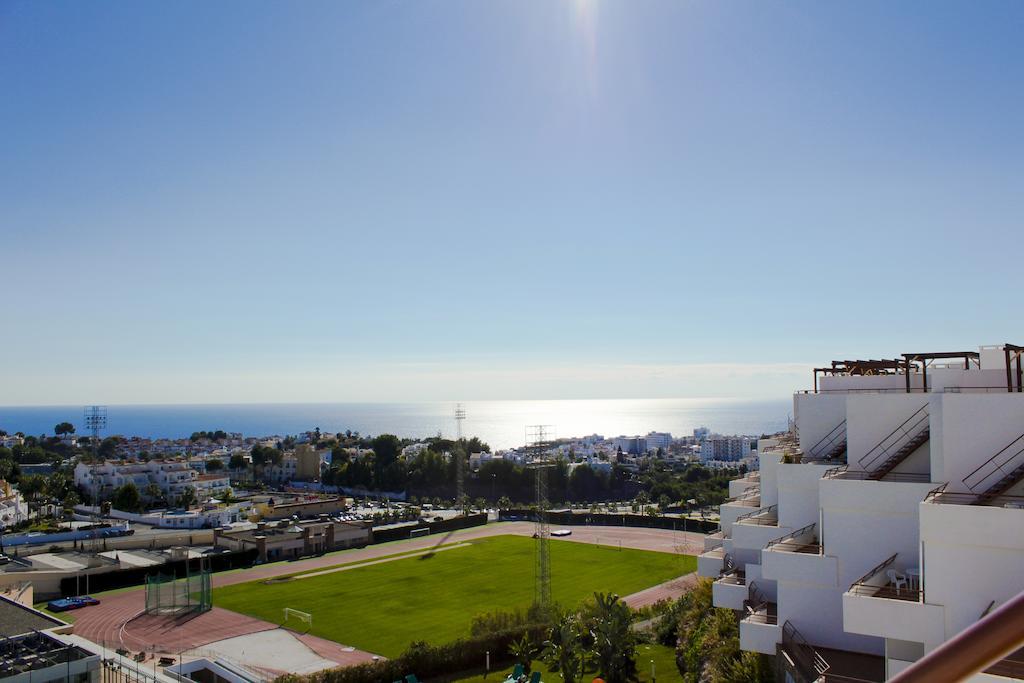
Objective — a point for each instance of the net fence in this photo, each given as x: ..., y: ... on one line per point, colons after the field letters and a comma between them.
x: 166, y: 594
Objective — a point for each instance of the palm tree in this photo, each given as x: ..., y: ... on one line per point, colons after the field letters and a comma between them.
x: 504, y: 503
x: 614, y: 642
x: 523, y: 651
x: 563, y: 650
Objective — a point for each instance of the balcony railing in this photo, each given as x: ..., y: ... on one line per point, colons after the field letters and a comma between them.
x: 802, y: 540
x: 759, y: 609
x: 803, y: 654
x: 879, y: 583
x: 829, y: 446
x: 764, y: 517
x: 749, y: 498
x: 843, y: 472
x: 943, y: 497
x: 907, y: 437
x: 1000, y: 471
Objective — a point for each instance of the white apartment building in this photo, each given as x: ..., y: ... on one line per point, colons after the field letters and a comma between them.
x: 13, y: 508
x: 728, y: 448
x: 887, y: 522
x: 100, y: 480
x: 656, y: 440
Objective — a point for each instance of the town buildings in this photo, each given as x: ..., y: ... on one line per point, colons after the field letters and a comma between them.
x: 289, y: 539
x: 725, y: 448
x: 889, y: 520
x: 172, y: 477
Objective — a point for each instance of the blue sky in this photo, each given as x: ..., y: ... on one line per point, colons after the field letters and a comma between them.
x: 242, y: 201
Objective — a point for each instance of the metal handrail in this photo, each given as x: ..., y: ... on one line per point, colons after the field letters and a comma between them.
x: 999, y: 467
x: 874, y: 570
x: 861, y: 586
x: 919, y: 416
x: 812, y: 662
x: 799, y: 547
x: 981, y: 645
x: 830, y: 438
x: 843, y: 472
x: 755, y: 513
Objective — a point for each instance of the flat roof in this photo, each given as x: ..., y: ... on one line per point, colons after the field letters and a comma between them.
x: 34, y: 651
x: 16, y: 619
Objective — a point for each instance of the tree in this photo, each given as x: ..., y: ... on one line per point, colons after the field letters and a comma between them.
x: 480, y: 504
x: 523, y: 651
x: 563, y: 650
x: 153, y: 491
x: 31, y: 486
x: 504, y: 503
x: 127, y: 498
x: 614, y: 641
x: 214, y: 465
x: 64, y: 428
x: 187, y: 497
x: 108, y: 445
x: 238, y: 462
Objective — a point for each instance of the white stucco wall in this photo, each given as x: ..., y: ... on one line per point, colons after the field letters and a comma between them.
x: 968, y: 429
x: 972, y: 556
x: 870, y: 418
x: 818, y: 415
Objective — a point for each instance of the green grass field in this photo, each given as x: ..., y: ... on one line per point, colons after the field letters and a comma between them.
x: 664, y: 659
x: 384, y: 607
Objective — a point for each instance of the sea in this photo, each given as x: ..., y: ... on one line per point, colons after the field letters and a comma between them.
x: 501, y: 424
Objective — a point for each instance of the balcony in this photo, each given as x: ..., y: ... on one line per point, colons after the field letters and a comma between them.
x: 768, y: 516
x: 941, y: 496
x: 710, y: 563
x: 714, y: 540
x: 888, y: 602
x: 798, y: 556
x: 730, y: 590
x: 760, y: 630
x: 843, y: 473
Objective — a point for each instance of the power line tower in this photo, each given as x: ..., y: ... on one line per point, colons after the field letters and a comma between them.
x: 538, y: 440
x: 460, y: 460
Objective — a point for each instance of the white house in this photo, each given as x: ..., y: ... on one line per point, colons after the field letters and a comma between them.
x: 100, y: 480
x: 13, y: 508
x: 888, y: 521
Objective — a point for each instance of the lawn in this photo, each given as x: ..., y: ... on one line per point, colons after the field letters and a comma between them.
x: 384, y: 607
x: 664, y: 659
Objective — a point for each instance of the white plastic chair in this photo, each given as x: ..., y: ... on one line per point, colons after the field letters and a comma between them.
x: 896, y: 579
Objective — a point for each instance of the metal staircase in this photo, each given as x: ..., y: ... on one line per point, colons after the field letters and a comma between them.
x: 830, y: 447
x: 913, y: 433
x: 998, y: 474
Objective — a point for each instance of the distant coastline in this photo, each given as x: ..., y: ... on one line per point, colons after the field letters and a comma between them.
x: 500, y: 423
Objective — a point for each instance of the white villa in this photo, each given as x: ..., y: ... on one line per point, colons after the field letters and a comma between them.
x: 889, y: 520
x: 173, y: 477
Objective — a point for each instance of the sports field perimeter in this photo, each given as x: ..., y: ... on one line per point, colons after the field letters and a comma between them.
x: 383, y: 607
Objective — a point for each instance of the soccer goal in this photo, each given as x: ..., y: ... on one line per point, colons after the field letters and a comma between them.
x: 290, y: 613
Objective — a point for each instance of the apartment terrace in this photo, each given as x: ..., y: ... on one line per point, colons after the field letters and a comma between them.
x: 803, y: 540
x: 768, y: 516
x: 941, y: 496
x: 843, y: 472
x: 889, y: 602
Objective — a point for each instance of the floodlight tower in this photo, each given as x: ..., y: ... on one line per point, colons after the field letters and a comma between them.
x: 537, y: 444
x: 95, y: 420
x: 460, y: 460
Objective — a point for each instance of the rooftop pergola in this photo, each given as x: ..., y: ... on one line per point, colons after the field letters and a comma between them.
x: 1015, y: 352
x: 924, y: 359
x: 919, y: 362
x: 859, y: 367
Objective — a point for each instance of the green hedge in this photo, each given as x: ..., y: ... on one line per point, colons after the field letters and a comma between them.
x: 434, y: 662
